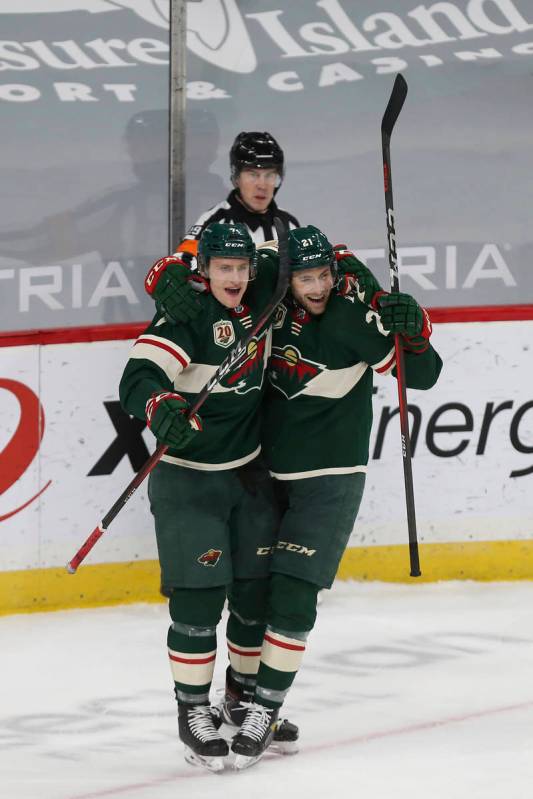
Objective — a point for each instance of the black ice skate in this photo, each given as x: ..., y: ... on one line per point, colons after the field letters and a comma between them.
x: 237, y: 697
x: 232, y: 711
x: 203, y: 744
x: 285, y: 738
x: 254, y: 736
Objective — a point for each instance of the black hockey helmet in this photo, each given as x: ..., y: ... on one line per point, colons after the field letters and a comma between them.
x: 254, y: 150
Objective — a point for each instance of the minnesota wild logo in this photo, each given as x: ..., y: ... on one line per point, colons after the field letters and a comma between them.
x: 210, y: 558
x: 290, y: 372
x: 249, y: 372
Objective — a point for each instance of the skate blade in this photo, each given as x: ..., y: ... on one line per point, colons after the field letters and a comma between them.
x: 284, y: 747
x: 243, y: 761
x: 215, y: 764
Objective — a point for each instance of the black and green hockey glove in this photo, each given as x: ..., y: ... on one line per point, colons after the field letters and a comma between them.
x: 355, y: 276
x: 166, y: 415
x: 169, y: 283
x: 400, y: 313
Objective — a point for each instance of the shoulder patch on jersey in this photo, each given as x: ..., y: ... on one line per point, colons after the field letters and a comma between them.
x: 279, y: 316
x: 223, y: 333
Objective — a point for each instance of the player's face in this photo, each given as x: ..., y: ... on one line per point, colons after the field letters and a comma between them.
x: 228, y: 278
x: 256, y: 187
x: 312, y: 287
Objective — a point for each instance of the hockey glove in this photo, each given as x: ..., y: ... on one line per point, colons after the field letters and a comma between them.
x: 167, y: 419
x: 355, y: 276
x: 400, y: 313
x: 169, y: 283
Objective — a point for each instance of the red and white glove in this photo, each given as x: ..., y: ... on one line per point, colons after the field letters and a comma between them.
x: 157, y: 270
x: 401, y: 313
x: 355, y: 276
x: 175, y: 288
x: 166, y: 416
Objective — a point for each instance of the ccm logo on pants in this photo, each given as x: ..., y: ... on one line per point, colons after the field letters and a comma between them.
x: 300, y: 550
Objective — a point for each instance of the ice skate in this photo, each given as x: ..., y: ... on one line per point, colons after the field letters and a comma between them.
x: 237, y: 698
x: 254, y: 736
x: 285, y: 738
x: 233, y: 709
x: 203, y: 744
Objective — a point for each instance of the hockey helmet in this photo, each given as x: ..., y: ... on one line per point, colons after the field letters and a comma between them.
x: 226, y: 241
x: 254, y: 150
x: 309, y: 247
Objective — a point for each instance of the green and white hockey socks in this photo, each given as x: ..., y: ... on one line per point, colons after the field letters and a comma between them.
x: 192, y: 641
x: 244, y: 633
x: 281, y: 657
x: 291, y: 616
x: 192, y: 653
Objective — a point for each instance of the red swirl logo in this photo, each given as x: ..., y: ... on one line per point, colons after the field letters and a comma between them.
x: 24, y: 444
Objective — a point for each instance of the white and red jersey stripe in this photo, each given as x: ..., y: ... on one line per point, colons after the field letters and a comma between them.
x: 386, y: 364
x: 170, y: 357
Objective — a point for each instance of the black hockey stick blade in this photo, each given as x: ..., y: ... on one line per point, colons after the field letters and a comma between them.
x: 394, y: 106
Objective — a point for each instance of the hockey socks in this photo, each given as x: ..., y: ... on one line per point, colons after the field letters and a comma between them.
x: 192, y: 641
x: 281, y: 657
x: 192, y: 653
x: 244, y: 639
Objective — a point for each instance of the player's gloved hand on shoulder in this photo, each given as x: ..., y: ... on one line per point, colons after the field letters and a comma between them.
x: 355, y: 276
x: 400, y: 313
x: 169, y: 282
x: 166, y: 415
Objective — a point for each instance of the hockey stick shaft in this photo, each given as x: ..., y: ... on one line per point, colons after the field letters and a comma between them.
x: 232, y: 359
x: 394, y: 106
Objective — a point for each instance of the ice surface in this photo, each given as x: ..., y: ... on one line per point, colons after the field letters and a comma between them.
x: 406, y: 691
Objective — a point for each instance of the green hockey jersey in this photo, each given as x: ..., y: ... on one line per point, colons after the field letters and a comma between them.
x: 183, y: 358
x: 318, y: 409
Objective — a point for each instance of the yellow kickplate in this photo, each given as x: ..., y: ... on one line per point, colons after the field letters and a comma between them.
x: 91, y: 586
x: 138, y: 581
x: 472, y: 560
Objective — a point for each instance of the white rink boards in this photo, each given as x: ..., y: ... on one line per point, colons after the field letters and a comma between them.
x: 472, y: 437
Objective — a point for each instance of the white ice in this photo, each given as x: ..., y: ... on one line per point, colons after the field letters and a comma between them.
x: 406, y: 692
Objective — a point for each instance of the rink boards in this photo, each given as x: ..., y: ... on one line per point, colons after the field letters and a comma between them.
x: 66, y: 454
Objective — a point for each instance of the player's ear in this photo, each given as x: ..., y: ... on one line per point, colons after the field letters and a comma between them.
x: 203, y: 266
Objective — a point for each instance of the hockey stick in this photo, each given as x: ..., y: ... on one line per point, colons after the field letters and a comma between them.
x: 394, y: 106
x: 226, y: 366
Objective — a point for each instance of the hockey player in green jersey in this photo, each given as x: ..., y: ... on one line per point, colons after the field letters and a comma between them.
x: 317, y: 418
x: 211, y: 527
x: 330, y: 336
